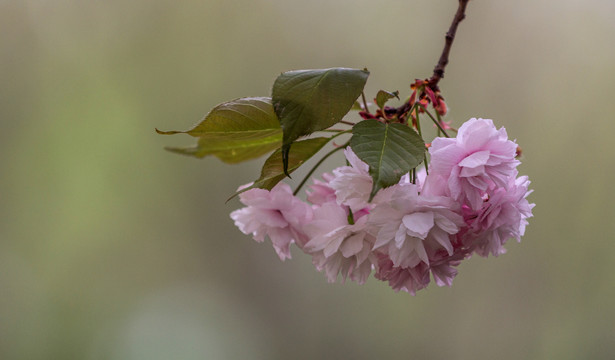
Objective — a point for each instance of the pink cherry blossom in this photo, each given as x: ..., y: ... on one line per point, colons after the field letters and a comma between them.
x: 470, y: 202
x: 352, y: 184
x: 444, y: 272
x: 479, y: 160
x: 276, y: 214
x: 503, y: 216
x: 408, y: 225
x: 409, y: 280
x: 321, y: 192
x: 338, y: 247
x: 435, y: 185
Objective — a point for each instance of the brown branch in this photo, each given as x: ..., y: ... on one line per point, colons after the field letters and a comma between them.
x: 438, y: 71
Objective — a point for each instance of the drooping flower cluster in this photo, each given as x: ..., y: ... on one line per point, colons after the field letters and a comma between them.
x: 471, y: 202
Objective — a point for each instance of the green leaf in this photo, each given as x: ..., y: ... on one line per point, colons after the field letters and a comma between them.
x: 310, y: 100
x: 390, y: 150
x: 383, y: 96
x: 235, y: 131
x: 273, y: 171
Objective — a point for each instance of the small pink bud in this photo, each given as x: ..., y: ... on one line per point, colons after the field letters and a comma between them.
x: 441, y: 107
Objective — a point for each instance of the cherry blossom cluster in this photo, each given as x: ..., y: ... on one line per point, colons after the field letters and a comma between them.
x: 471, y: 201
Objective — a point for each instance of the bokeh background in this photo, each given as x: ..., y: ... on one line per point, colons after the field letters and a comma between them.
x: 112, y: 248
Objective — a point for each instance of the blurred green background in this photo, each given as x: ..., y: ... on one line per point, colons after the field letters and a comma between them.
x: 112, y: 248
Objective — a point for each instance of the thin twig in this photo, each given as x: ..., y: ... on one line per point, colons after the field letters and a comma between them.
x: 438, y: 71
x: 307, y: 176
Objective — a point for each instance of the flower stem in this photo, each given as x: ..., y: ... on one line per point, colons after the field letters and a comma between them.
x: 439, y: 121
x: 364, y: 102
x: 418, y: 127
x: 316, y: 166
x: 435, y: 121
x: 350, y: 216
x: 333, y: 130
x: 340, y: 133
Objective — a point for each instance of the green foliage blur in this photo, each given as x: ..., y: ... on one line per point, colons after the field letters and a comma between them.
x: 112, y: 248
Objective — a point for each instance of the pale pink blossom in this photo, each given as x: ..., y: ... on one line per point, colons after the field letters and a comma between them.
x: 321, y: 192
x: 409, y: 280
x: 338, y: 247
x: 478, y: 160
x: 503, y: 216
x: 408, y: 225
x: 443, y: 266
x: 435, y: 185
x: 352, y: 184
x: 470, y: 202
x: 445, y: 272
x: 276, y: 214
